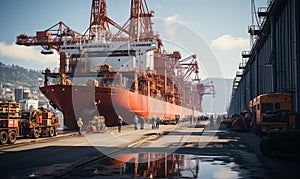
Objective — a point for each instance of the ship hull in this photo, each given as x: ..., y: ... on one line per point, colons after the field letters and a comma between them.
x: 85, y: 101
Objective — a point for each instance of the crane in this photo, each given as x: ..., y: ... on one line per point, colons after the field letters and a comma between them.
x: 51, y: 38
x: 188, y: 66
x: 55, y: 36
x: 137, y: 28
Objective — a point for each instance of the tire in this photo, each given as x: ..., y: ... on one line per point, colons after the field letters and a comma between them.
x: 55, y: 132
x: 35, y: 134
x: 51, y: 132
x: 3, y: 137
x: 12, y: 137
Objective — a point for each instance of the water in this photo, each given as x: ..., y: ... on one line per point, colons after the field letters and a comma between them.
x: 156, y: 165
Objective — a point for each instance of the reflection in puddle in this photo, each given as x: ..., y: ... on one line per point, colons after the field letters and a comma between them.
x: 48, y: 170
x: 166, y: 166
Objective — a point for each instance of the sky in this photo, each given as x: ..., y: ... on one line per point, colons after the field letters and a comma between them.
x: 214, y: 30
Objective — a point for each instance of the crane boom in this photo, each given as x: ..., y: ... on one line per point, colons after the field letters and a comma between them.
x: 51, y: 38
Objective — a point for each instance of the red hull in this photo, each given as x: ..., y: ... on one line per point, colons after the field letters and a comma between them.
x: 86, y: 102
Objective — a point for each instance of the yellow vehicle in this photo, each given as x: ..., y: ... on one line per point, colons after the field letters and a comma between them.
x: 276, y: 123
x: 269, y: 102
x: 280, y: 132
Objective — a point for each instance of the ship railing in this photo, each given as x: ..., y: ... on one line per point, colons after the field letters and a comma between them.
x: 239, y: 73
x: 254, y: 30
x: 246, y: 54
x: 263, y: 11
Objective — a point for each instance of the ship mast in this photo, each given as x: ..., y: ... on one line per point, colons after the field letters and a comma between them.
x: 139, y: 25
x: 140, y: 21
x: 98, y: 21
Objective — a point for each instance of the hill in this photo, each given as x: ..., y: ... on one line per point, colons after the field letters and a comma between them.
x: 13, y: 75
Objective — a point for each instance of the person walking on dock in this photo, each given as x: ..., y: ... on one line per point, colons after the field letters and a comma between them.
x: 157, y: 122
x: 120, y: 121
x: 153, y: 122
x: 135, y: 121
x: 79, y: 124
x: 142, y: 122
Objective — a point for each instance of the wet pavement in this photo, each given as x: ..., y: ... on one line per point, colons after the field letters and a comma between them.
x: 159, y: 165
x: 205, y: 152
x: 186, y: 150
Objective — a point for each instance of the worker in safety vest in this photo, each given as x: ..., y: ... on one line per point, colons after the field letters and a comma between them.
x: 79, y: 124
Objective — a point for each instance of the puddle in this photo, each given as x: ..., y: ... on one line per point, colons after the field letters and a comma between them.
x: 48, y: 170
x: 158, y: 165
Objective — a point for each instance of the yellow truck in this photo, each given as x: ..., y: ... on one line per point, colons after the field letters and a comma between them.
x: 276, y: 123
x: 268, y: 102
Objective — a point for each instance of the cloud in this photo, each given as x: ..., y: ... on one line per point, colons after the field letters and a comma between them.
x: 172, y: 19
x: 27, y: 55
x: 228, y: 42
x: 170, y: 24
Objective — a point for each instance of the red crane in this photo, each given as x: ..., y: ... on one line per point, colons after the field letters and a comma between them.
x: 139, y: 25
x: 51, y: 38
x: 190, y: 66
x: 60, y: 33
x: 137, y: 28
x: 99, y: 22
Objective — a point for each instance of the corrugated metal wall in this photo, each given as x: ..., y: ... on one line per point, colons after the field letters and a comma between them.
x: 274, y: 65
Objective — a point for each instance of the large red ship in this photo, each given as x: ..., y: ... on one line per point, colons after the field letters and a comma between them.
x: 127, y: 73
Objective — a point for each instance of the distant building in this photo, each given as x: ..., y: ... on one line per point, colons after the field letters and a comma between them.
x: 29, y: 104
x: 7, y: 94
x: 19, y: 93
x: 26, y: 93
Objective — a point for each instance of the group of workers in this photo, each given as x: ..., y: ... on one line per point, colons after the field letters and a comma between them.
x: 155, y: 122
x: 242, y: 122
x: 100, y: 123
x: 97, y: 124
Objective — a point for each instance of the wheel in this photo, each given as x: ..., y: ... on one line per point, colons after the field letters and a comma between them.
x: 35, y: 134
x: 12, y: 137
x: 4, y: 137
x: 55, y: 132
x: 51, y: 132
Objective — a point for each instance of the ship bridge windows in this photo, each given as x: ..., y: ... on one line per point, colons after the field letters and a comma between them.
x: 115, y: 53
x: 96, y: 46
x: 68, y: 48
x: 142, y: 45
